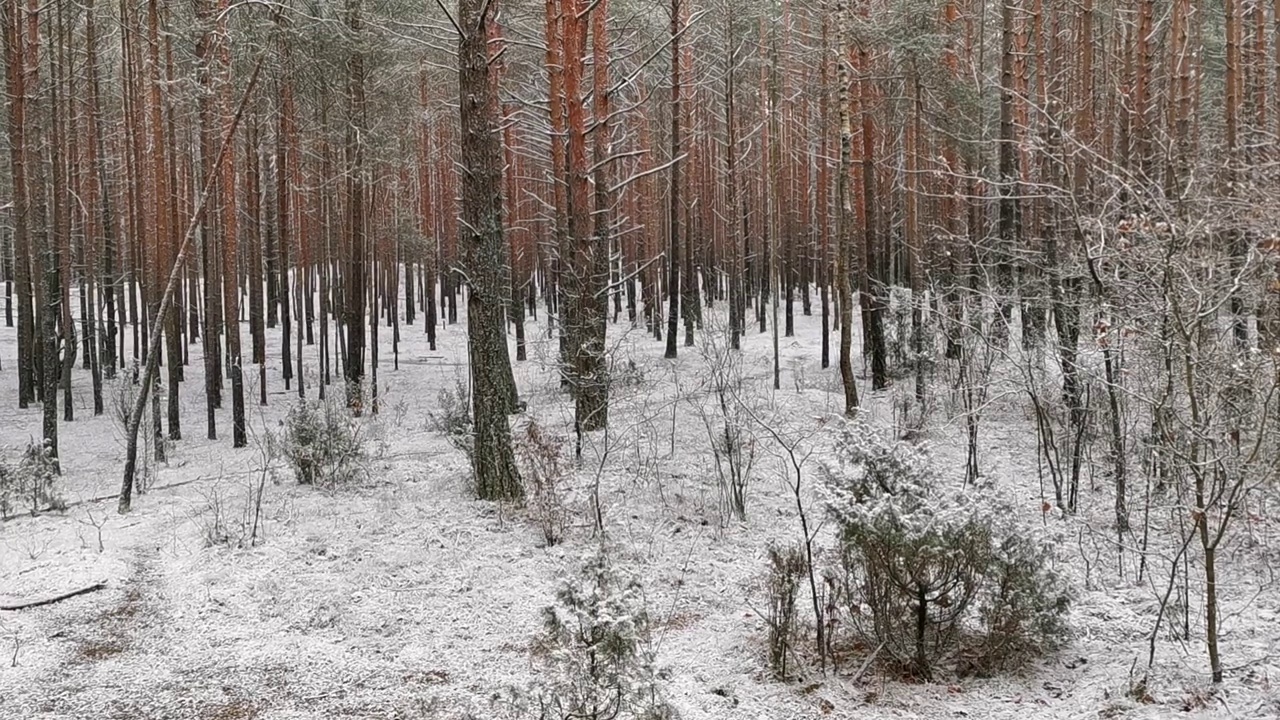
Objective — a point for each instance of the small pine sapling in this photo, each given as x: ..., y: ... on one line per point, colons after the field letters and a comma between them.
x: 32, y: 483
x: 595, y: 651
x: 452, y: 418
x: 322, y: 443
x: 539, y: 456
x: 781, y: 587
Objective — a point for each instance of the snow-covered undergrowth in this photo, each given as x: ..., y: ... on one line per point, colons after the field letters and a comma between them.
x: 400, y: 596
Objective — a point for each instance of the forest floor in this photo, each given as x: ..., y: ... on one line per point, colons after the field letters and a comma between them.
x: 403, y: 597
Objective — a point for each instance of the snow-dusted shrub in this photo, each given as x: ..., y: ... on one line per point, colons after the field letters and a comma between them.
x: 734, y: 448
x: 322, y: 443
x: 218, y: 523
x: 595, y: 650
x: 452, y: 418
x: 31, y: 483
x: 727, y: 420
x: 539, y: 455
x: 1022, y: 607
x: 781, y: 586
x: 122, y: 401
x: 932, y: 570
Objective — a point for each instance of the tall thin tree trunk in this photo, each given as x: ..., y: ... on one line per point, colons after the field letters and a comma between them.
x: 208, y: 254
x: 673, y: 243
x: 874, y: 263
x: 284, y: 208
x: 357, y: 269
x: 42, y: 240
x: 912, y: 237
x: 734, y: 239
x: 16, y: 70
x: 691, y: 309
x: 229, y: 227
x: 162, y: 217
x: 772, y: 192
x: 253, y: 197
x: 1235, y: 238
x: 61, y: 195
x: 591, y: 254
x: 824, y: 182
x: 1010, y: 220
x: 844, y: 215
x: 93, y: 198
x: 108, y: 278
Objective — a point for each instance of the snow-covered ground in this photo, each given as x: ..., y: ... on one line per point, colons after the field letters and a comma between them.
x: 404, y: 597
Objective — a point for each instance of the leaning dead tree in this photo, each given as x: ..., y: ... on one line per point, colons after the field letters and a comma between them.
x: 166, y: 297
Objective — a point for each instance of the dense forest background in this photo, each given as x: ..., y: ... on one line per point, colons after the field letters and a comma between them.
x: 300, y: 163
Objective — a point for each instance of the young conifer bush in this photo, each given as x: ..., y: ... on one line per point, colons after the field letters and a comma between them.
x: 935, y: 572
x: 595, y: 652
x: 322, y: 443
x: 540, y: 454
x: 31, y: 484
x: 452, y: 418
x: 781, y: 586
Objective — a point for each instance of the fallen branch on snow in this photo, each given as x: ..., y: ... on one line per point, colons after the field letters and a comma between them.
x: 49, y: 601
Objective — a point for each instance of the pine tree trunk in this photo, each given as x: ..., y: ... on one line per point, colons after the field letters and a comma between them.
x: 518, y: 277
x: 59, y: 114
x: 1009, y: 208
x: 913, y: 240
x: 229, y: 228
x: 495, y: 47
x: 483, y: 248
x: 559, y: 172
x: 591, y: 270
x: 736, y: 250
x: 874, y: 275
x: 208, y: 255
x: 357, y: 270
x: 253, y: 198
x: 19, y: 155
x: 845, y: 216
x: 824, y: 184
x: 1235, y: 239
x: 772, y: 147
x: 284, y: 209
x: 690, y: 308
x: 426, y: 218
x: 108, y: 279
x: 673, y: 252
x: 43, y: 242
x: 93, y: 198
x: 161, y: 220
x: 49, y: 332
